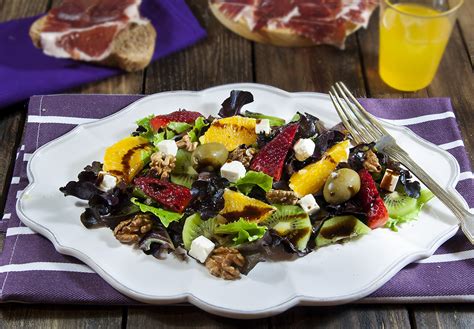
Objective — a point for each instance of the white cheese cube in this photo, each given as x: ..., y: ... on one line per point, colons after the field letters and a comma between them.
x: 201, y: 247
x: 108, y: 181
x: 389, y: 180
x: 233, y: 170
x: 304, y: 148
x: 263, y: 126
x: 168, y: 147
x: 309, y: 204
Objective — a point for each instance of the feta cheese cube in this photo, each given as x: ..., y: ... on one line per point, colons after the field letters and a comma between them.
x: 263, y: 126
x: 108, y: 181
x: 168, y: 147
x: 304, y: 148
x: 201, y: 247
x: 309, y: 204
x: 389, y: 180
x: 233, y: 170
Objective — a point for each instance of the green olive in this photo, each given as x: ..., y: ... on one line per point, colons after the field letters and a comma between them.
x: 341, y: 185
x: 210, y: 156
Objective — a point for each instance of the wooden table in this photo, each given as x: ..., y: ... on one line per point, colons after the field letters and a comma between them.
x: 225, y: 58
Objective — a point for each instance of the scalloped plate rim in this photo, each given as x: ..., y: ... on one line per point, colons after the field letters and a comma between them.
x: 228, y: 312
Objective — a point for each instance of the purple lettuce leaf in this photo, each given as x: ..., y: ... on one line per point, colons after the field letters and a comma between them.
x: 232, y: 105
x: 323, y: 142
x: 207, y: 195
x: 158, y: 243
x: 271, y: 247
x: 104, y: 208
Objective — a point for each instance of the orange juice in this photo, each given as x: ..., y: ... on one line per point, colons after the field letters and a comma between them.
x: 412, y: 41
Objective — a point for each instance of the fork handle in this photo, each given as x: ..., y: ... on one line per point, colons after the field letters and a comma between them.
x: 448, y: 198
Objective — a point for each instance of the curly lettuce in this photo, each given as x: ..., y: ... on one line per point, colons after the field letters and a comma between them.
x: 252, y: 179
x: 165, y: 216
x: 242, y: 230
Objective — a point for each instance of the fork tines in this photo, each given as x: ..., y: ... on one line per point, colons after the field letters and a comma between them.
x: 363, y: 127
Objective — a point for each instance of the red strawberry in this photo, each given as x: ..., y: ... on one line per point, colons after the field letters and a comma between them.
x: 372, y: 203
x: 176, y: 116
x: 271, y: 158
x: 171, y: 196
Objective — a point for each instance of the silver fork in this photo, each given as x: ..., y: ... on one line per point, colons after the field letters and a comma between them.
x: 365, y: 128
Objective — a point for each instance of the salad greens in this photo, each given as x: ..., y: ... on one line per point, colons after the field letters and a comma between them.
x: 165, y: 216
x: 274, y: 121
x: 273, y: 205
x: 242, y: 231
x: 252, y: 179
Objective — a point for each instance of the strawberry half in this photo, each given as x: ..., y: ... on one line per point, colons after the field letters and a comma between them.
x: 171, y: 196
x: 372, y: 203
x: 271, y: 158
x: 177, y: 116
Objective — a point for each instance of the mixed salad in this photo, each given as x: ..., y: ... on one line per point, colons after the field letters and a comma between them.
x: 241, y: 188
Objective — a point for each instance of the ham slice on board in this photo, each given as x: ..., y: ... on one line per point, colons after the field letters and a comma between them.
x: 321, y: 21
x: 85, y: 29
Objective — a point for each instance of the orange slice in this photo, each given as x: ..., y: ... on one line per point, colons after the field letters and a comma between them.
x: 311, y: 178
x: 232, y: 132
x: 127, y: 157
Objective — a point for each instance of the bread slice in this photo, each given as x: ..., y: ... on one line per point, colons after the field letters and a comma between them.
x: 278, y: 36
x: 132, y: 48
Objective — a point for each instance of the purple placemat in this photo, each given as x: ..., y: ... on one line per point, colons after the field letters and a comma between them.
x: 32, y: 271
x: 26, y: 71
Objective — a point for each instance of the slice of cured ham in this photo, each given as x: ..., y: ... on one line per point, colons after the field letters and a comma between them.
x: 85, y: 29
x: 320, y: 21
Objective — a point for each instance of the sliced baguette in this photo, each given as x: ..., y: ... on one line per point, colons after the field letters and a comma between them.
x: 132, y: 48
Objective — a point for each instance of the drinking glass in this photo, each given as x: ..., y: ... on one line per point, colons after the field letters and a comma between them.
x: 413, y: 37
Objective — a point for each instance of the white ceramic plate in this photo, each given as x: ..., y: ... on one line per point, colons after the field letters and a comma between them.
x: 332, y: 275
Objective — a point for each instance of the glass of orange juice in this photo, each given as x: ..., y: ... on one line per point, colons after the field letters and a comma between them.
x: 413, y: 36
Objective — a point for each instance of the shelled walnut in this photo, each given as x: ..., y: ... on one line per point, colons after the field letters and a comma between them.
x: 282, y: 197
x: 131, y: 230
x: 225, y: 263
x: 162, y: 164
x: 243, y: 154
x: 186, y: 144
x: 371, y: 162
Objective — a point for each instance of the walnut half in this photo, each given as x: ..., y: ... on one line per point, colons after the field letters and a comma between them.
x: 162, y: 164
x: 243, y: 154
x: 186, y: 144
x: 131, y: 230
x: 282, y: 197
x: 371, y: 162
x: 225, y: 263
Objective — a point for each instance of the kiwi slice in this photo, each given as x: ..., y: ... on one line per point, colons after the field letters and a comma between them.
x: 194, y: 226
x: 291, y: 222
x: 399, y: 205
x: 183, y: 172
x: 425, y: 196
x: 182, y: 179
x: 340, y: 228
x: 183, y: 164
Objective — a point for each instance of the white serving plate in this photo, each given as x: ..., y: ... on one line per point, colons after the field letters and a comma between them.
x: 332, y: 275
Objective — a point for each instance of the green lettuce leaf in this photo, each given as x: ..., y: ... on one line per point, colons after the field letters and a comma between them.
x: 254, y: 178
x: 199, y: 124
x: 165, y: 216
x: 178, y: 127
x: 295, y: 117
x: 274, y: 121
x: 145, y: 124
x: 145, y: 155
x: 158, y: 137
x: 243, y: 231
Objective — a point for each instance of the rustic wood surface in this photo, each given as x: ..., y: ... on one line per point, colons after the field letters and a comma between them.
x: 224, y: 58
